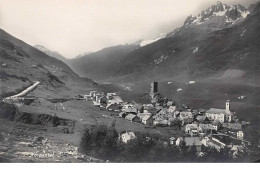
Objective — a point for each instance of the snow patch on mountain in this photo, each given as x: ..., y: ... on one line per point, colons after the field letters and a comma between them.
x: 195, y: 50
x: 244, y: 13
x: 157, y: 38
x: 42, y: 48
x: 242, y: 34
x: 220, y: 13
x: 160, y: 59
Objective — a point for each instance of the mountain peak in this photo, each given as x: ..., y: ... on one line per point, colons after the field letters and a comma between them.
x: 230, y: 14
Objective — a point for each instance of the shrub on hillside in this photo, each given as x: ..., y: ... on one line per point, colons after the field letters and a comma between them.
x: 103, y: 142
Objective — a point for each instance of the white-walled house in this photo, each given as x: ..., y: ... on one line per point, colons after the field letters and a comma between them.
x: 216, y: 115
x: 127, y: 136
x: 109, y: 95
x: 171, y: 109
x: 92, y: 93
x: 213, y: 142
x: 115, y: 99
x: 205, y: 127
x: 190, y: 127
x: 173, y: 141
x: 127, y: 106
x: 240, y: 134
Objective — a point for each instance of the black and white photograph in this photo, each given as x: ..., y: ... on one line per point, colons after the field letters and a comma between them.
x: 129, y: 81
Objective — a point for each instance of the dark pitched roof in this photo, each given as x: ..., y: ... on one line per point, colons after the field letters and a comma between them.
x: 130, y: 116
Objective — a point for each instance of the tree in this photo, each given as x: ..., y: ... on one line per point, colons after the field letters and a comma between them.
x: 100, y: 141
x: 214, y: 155
x: 177, y: 123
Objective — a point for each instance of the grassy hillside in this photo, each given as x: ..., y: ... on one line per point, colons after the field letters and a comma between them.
x: 21, y: 65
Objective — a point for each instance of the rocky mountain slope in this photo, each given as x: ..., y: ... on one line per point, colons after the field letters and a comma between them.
x: 230, y: 14
x: 207, y: 45
x: 194, y: 53
x: 51, y: 53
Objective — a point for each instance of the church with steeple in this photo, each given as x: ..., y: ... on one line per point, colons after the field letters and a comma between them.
x: 220, y: 115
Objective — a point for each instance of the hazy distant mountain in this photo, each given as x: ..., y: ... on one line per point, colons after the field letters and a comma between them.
x: 94, y: 64
x: 51, y: 53
x: 83, y: 54
x: 101, y: 63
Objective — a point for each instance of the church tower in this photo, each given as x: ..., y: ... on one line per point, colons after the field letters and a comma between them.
x: 228, y: 105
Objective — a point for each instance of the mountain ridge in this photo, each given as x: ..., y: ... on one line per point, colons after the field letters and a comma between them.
x: 51, y: 53
x: 180, y: 51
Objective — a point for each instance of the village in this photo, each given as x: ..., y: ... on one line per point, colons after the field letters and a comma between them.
x: 212, y: 128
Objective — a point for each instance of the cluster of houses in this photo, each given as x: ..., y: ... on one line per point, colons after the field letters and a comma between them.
x: 200, y: 126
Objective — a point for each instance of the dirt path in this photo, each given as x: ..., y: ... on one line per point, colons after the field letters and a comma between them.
x: 24, y: 92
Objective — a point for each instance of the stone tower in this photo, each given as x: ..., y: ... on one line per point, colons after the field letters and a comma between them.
x: 154, y: 89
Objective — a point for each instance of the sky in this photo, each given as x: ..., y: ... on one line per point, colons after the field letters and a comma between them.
x: 72, y: 27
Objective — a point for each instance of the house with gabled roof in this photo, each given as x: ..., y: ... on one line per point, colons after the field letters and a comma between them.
x: 186, y: 114
x: 130, y: 110
x: 142, y: 115
x: 127, y: 106
x: 110, y: 95
x: 170, y: 103
x: 147, y: 120
x: 113, y: 107
x: 206, y: 127
x: 133, y: 118
x: 240, y: 135
x: 202, y: 119
x: 114, y: 100
x: 190, y: 141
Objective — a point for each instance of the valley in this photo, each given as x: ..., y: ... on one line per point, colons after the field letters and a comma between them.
x: 212, y: 59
